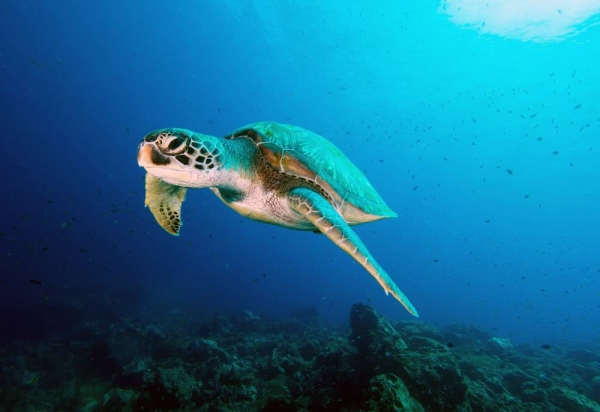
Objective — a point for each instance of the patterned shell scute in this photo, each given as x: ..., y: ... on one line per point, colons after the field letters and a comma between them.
x: 302, y: 153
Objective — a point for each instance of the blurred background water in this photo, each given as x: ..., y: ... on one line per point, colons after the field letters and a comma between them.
x: 477, y: 123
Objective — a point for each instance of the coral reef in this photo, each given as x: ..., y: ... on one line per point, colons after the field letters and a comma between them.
x: 249, y: 362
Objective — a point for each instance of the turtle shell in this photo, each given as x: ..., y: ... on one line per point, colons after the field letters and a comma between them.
x: 301, y: 153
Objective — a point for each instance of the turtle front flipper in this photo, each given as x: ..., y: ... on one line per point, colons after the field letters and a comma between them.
x: 325, y: 218
x: 164, y: 201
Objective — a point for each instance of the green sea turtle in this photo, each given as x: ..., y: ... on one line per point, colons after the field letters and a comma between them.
x: 270, y: 172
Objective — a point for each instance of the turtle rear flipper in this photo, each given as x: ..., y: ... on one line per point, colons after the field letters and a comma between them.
x: 164, y: 201
x: 325, y: 218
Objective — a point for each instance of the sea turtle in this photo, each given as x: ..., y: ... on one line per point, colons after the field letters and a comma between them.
x: 270, y: 172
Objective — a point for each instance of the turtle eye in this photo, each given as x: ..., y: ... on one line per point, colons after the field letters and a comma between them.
x: 175, y: 144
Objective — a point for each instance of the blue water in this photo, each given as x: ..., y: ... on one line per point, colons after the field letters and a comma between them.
x: 435, y: 109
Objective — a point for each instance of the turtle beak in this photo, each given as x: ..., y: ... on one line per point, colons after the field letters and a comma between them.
x: 148, y: 155
x: 143, y: 154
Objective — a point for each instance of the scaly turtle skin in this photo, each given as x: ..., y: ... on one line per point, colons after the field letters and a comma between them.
x: 271, y: 172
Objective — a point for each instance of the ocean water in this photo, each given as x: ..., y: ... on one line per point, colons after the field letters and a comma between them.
x: 478, y: 124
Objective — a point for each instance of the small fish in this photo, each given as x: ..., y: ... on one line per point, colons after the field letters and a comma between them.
x: 546, y: 346
x: 509, y: 171
x: 555, y: 152
x: 36, y: 62
x: 577, y: 107
x: 35, y: 281
x: 526, y: 196
x: 415, y: 188
x: 487, y: 221
x: 450, y: 345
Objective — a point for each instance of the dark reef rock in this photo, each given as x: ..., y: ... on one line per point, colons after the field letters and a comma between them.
x: 420, y: 329
x: 500, y: 347
x: 248, y: 322
x: 140, y: 371
x: 595, y: 388
x: 376, y: 341
x: 118, y: 399
x: 219, y: 325
x: 426, y: 365
x: 584, y: 355
x: 387, y: 393
x: 466, y: 335
x: 251, y: 363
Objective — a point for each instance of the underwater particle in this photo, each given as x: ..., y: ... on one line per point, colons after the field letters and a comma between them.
x: 509, y: 171
x: 35, y: 281
x: 546, y: 346
x: 577, y: 107
x: 555, y: 152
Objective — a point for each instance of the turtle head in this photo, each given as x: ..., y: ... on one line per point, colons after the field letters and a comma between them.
x: 182, y: 157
